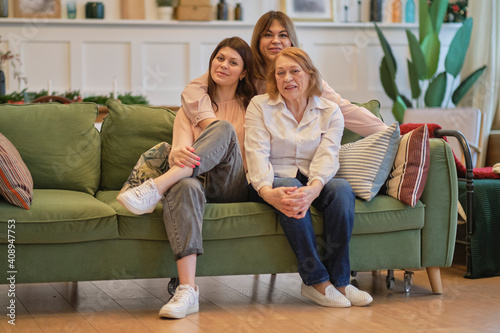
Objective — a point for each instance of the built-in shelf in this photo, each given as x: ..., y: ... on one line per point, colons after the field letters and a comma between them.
x: 17, y: 21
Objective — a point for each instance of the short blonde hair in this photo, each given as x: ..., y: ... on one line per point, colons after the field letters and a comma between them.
x: 304, y: 61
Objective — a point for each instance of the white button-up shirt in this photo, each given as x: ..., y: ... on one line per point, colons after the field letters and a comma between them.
x: 276, y: 145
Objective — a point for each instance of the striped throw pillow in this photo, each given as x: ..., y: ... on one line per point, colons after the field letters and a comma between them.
x: 407, y: 179
x: 366, y: 163
x: 16, y: 184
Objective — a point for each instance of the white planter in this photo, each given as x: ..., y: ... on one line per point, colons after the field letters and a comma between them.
x: 165, y: 13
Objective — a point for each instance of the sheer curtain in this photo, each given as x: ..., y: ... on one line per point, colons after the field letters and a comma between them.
x: 484, y: 49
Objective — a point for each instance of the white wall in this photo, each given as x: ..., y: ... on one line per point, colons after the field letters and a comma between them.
x: 158, y: 58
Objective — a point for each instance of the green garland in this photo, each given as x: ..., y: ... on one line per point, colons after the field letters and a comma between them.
x: 74, y: 95
x: 125, y: 99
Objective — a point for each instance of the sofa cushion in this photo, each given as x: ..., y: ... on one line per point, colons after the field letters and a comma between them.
x: 383, y: 214
x: 16, y: 183
x: 60, y: 216
x: 62, y: 150
x: 220, y: 221
x: 126, y: 133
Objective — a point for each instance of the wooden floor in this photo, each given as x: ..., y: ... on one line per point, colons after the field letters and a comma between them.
x: 256, y: 303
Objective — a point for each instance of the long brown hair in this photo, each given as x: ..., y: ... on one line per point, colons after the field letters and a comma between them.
x: 305, y: 62
x: 246, y: 88
x: 260, y: 29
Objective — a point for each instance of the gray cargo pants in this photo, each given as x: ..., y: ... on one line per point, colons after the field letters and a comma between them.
x: 219, y: 178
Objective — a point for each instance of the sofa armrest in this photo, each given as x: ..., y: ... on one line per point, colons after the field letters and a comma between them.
x: 440, y: 197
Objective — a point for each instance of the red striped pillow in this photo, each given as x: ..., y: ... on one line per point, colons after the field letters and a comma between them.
x: 16, y: 184
x: 407, y: 179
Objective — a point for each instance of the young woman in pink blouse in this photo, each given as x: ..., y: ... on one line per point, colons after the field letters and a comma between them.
x: 206, y: 164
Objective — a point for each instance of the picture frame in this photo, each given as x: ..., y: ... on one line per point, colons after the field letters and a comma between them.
x: 309, y: 10
x: 37, y: 8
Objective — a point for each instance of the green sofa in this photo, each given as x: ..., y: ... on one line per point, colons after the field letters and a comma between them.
x: 75, y: 229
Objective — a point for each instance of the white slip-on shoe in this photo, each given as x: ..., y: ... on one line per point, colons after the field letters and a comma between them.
x: 185, y: 301
x: 141, y: 199
x: 332, y: 298
x: 357, y: 297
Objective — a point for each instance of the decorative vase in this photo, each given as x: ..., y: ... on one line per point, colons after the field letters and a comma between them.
x: 4, y: 8
x: 410, y: 11
x: 94, y: 10
x: 222, y: 10
x: 376, y: 10
x: 166, y: 13
x: 2, y: 83
x: 396, y: 11
x: 238, y: 12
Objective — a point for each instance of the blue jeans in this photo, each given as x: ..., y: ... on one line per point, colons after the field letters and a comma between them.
x: 336, y: 201
x: 219, y: 178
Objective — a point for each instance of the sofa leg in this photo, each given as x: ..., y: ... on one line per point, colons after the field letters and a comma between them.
x: 376, y: 272
x: 434, y: 275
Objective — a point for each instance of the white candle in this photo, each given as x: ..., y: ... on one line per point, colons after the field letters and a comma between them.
x: 115, y: 95
x: 49, y: 87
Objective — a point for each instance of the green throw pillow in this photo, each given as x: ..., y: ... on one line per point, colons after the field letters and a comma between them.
x: 374, y: 107
x: 126, y: 133
x: 58, y: 143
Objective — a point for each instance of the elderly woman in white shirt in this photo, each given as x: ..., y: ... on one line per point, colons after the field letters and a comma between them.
x: 292, y: 142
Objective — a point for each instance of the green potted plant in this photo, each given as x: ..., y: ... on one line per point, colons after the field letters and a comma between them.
x: 165, y: 9
x: 428, y: 88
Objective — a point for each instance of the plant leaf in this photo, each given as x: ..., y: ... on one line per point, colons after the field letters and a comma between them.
x: 425, y: 24
x: 465, y: 85
x: 417, y: 56
x: 437, y: 12
x: 398, y: 109
x: 406, y: 101
x: 414, y: 82
x: 391, y: 61
x: 435, y: 92
x: 458, y: 48
x: 388, y: 81
x: 431, y: 47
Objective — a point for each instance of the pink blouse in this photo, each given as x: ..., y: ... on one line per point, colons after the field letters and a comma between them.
x: 186, y: 131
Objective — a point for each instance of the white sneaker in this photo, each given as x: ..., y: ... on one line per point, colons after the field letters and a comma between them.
x: 141, y: 199
x: 332, y: 298
x: 357, y: 297
x: 185, y: 301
